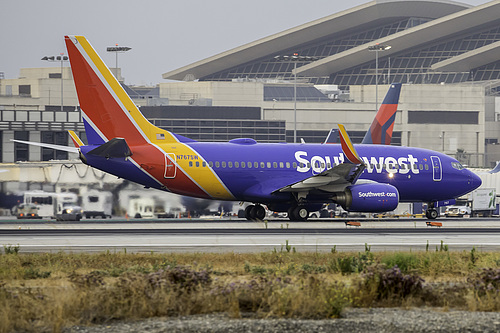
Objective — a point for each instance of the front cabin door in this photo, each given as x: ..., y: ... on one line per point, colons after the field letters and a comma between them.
x: 437, y: 171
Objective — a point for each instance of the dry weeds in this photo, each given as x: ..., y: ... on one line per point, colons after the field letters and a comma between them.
x: 46, y: 292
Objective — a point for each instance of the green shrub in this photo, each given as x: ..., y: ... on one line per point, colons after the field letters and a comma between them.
x: 406, y: 262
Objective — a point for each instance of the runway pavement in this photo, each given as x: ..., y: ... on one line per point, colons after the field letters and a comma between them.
x: 216, y: 235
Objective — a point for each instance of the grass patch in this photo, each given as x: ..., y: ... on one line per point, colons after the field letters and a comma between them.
x: 47, y: 292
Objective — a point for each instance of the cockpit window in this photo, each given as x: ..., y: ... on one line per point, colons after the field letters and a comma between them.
x: 457, y: 165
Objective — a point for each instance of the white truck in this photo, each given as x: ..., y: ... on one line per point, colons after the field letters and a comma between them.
x: 141, y: 208
x: 54, y: 205
x: 97, y: 204
x: 480, y: 202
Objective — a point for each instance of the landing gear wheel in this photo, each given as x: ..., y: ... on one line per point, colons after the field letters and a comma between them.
x: 431, y: 214
x: 301, y: 213
x: 291, y: 215
x: 248, y: 212
x: 258, y: 213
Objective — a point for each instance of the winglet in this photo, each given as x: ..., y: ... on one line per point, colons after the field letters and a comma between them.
x: 347, y: 146
x: 76, y: 140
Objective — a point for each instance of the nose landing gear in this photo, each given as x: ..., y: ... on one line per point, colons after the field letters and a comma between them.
x: 431, y: 213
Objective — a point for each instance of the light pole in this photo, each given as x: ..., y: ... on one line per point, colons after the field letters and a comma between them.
x: 61, y: 57
x: 377, y: 47
x: 295, y: 58
x: 117, y: 49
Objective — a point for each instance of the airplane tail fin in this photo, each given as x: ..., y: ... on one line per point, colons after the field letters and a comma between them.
x: 108, y: 111
x: 332, y: 136
x: 380, y: 131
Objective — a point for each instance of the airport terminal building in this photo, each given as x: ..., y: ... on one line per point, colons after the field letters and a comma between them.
x: 307, y: 80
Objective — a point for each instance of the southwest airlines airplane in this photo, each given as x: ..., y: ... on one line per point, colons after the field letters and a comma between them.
x: 293, y: 178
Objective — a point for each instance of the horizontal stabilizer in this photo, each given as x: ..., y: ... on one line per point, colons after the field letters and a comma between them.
x: 51, y: 146
x: 116, y: 147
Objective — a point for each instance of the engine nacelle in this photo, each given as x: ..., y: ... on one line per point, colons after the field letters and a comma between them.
x: 370, y: 198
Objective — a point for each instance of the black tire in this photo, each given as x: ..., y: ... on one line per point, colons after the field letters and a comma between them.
x: 431, y: 214
x: 248, y: 212
x: 258, y: 213
x: 301, y: 213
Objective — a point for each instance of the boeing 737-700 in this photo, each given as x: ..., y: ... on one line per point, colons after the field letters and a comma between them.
x: 293, y: 178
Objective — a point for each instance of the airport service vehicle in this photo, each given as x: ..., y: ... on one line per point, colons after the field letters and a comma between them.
x: 480, y: 202
x: 70, y: 213
x: 141, y: 208
x: 292, y: 178
x: 27, y: 211
x: 97, y: 204
x: 50, y: 204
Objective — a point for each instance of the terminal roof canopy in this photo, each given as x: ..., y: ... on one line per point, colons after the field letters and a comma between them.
x: 355, y: 20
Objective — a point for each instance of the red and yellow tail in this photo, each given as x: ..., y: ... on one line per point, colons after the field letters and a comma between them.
x: 108, y: 110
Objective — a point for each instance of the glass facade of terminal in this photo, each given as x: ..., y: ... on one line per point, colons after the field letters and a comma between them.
x: 270, y: 68
x: 409, y: 66
x: 413, y: 66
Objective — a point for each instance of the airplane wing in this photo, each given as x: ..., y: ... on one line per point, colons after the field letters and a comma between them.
x: 331, y: 180
x: 336, y: 178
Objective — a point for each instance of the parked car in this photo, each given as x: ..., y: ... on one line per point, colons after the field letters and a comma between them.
x: 458, y: 211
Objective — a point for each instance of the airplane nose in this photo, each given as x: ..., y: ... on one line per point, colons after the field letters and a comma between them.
x: 475, y: 181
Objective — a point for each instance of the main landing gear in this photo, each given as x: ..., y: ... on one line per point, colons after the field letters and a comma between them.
x: 298, y: 213
x: 255, y: 212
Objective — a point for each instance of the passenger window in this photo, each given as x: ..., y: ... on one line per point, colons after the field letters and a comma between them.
x: 243, y: 164
x: 269, y: 165
x: 295, y: 165
x: 256, y: 165
x: 275, y: 165
x: 230, y: 164
x: 282, y: 165
x: 288, y: 165
x: 328, y: 165
x: 262, y: 165
x: 211, y: 164
x: 236, y: 164
x: 421, y: 166
x: 197, y: 164
x: 190, y: 163
x: 427, y: 167
x: 217, y: 164
x: 223, y: 164
x: 204, y: 164
x: 249, y: 165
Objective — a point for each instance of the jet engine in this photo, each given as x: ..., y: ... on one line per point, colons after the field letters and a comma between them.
x: 368, y: 198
